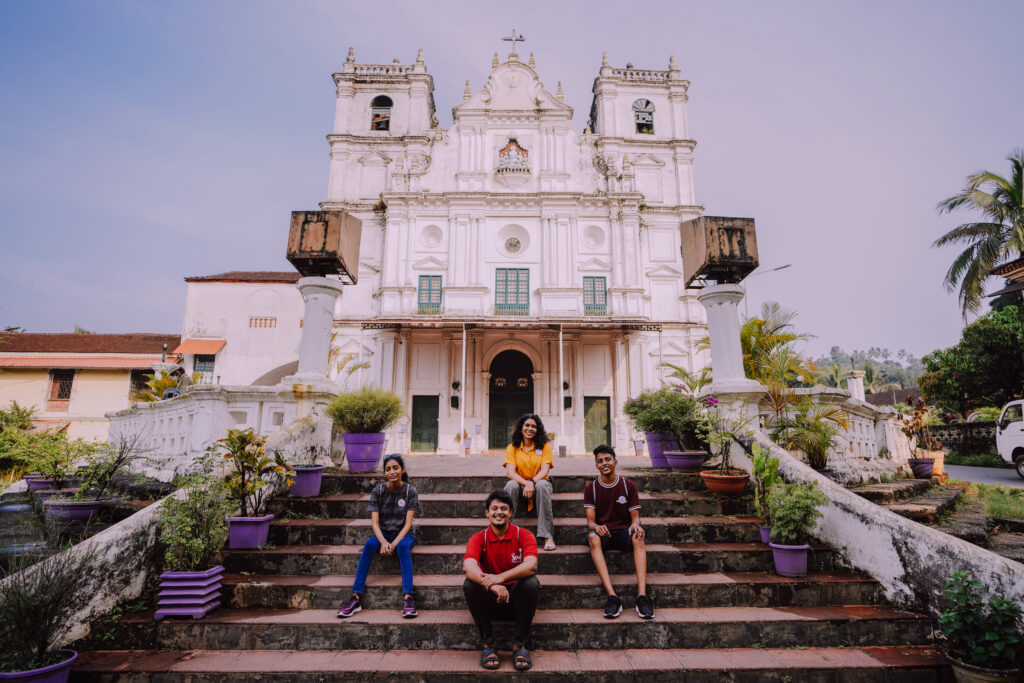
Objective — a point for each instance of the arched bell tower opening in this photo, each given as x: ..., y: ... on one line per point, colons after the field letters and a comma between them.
x: 510, y: 395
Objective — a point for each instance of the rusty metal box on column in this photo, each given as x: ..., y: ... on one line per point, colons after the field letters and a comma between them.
x: 718, y: 248
x: 325, y: 243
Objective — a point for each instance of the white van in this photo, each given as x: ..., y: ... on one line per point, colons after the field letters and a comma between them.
x: 1010, y: 435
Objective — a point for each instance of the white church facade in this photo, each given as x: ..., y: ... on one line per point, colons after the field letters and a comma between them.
x: 509, y: 263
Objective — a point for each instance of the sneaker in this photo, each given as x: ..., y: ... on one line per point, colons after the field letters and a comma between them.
x: 613, y: 607
x: 409, y: 607
x: 353, y: 605
x: 644, y: 608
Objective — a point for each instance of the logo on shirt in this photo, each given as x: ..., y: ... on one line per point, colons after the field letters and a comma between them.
x: 621, y: 500
x: 537, y: 451
x: 401, y: 502
x: 517, y: 557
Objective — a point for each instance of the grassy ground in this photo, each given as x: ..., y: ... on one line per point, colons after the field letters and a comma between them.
x: 976, y: 459
x: 997, y: 501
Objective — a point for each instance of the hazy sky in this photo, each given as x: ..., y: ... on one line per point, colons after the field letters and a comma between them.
x: 142, y: 141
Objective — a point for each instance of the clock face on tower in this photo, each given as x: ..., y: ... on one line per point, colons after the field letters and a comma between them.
x: 512, y: 245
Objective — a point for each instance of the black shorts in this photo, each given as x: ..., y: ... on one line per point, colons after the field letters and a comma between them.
x: 621, y: 539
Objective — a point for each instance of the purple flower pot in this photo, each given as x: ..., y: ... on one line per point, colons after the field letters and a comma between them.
x: 72, y: 510
x: 824, y: 472
x: 922, y: 467
x: 686, y: 461
x: 363, y: 451
x: 39, y: 484
x: 766, y: 533
x: 248, y: 532
x: 55, y: 673
x: 307, y: 481
x: 657, y: 444
x: 189, y: 594
x: 790, y: 560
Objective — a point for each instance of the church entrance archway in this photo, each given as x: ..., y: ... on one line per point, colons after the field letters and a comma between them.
x: 510, y: 395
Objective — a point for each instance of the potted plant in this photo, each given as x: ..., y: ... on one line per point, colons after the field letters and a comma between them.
x: 725, y: 480
x: 671, y: 421
x: 51, y: 454
x: 308, y: 474
x: 251, y: 483
x: 193, y: 529
x: 36, y: 602
x: 982, y: 640
x: 363, y: 415
x: 101, y: 467
x: 764, y: 478
x: 915, y: 427
x: 793, y: 509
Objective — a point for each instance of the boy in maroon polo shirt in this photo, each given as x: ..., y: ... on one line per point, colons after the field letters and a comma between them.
x: 500, y: 566
x: 612, y: 505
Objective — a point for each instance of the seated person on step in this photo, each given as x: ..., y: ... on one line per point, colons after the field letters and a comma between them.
x: 501, y: 583
x: 527, y: 463
x: 612, y: 506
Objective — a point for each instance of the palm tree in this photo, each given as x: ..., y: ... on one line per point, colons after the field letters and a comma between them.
x: 999, y: 237
x: 763, y: 335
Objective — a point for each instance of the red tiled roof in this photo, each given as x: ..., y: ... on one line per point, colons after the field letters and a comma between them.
x: 286, y: 277
x: 29, y: 342
x: 1008, y: 267
x: 200, y: 346
x: 81, y: 362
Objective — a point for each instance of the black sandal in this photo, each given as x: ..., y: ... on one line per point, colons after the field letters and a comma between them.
x: 489, y: 658
x: 521, y: 660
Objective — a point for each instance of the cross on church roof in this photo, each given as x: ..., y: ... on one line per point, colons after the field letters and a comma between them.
x: 514, y: 39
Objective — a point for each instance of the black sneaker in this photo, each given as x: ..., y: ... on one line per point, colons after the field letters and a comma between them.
x: 644, y: 608
x: 613, y: 607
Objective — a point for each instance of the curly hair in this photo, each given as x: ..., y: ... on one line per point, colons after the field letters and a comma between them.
x: 517, y: 432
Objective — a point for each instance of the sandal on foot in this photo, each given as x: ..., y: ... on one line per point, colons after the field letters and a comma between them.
x: 549, y: 544
x: 521, y: 660
x: 489, y: 658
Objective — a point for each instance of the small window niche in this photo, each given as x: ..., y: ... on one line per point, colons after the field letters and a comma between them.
x: 643, y: 114
x: 380, y: 113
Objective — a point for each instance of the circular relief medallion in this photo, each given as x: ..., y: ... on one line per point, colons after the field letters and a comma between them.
x: 522, y: 382
x: 513, y: 245
x: 499, y: 381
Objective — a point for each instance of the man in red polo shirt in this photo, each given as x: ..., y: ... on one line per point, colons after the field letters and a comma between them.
x: 500, y: 565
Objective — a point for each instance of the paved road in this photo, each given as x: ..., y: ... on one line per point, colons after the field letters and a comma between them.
x: 985, y: 475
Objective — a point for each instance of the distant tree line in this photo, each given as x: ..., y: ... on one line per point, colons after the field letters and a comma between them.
x: 883, y: 369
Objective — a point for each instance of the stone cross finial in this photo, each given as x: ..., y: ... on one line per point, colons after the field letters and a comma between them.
x: 351, y: 55
x: 494, y: 61
x: 419, y: 56
x: 560, y: 95
x: 515, y: 38
x: 672, y: 66
x: 466, y: 93
x: 604, y: 60
x: 533, y: 64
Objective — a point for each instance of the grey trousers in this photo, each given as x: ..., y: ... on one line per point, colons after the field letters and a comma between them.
x: 542, y: 503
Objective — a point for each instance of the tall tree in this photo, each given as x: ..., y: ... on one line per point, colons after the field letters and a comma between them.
x: 998, y: 237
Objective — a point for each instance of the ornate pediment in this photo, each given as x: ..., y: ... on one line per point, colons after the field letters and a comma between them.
x: 663, y: 272
x: 512, y: 86
x: 375, y: 158
x: 595, y: 265
x: 430, y: 263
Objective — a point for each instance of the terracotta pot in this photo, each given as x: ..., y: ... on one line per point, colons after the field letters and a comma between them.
x: 55, y: 673
x: 968, y: 673
x: 686, y: 461
x: 731, y: 484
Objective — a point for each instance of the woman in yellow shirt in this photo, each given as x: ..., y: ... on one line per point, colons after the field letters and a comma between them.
x: 527, y: 463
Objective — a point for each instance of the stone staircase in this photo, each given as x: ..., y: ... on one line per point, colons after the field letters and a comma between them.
x: 721, y: 612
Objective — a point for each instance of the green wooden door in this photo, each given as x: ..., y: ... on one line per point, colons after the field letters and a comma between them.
x: 596, y: 422
x: 510, y: 396
x: 424, y: 423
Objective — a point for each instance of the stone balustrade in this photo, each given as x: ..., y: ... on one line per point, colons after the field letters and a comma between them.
x: 383, y: 69
x: 643, y: 75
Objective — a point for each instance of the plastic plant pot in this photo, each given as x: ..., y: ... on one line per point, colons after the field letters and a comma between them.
x: 686, y: 461
x: 363, y: 451
x: 307, y: 480
x: 54, y: 673
x: 657, y: 444
x: 790, y: 560
x: 248, y: 532
x: 189, y: 594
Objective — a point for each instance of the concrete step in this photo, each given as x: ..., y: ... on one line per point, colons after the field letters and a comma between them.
x: 567, y: 530
x: 561, y: 591
x: 867, y: 664
x: 927, y: 508
x: 1008, y: 544
x: 571, y: 629
x: 891, y: 492
x: 567, y: 559
x: 471, y: 505
x: 649, y: 480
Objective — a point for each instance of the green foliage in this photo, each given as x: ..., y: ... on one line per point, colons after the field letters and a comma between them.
x: 368, y: 410
x: 985, y: 367
x: 1000, y: 501
x: 192, y: 521
x: 107, y: 461
x: 794, y: 510
x: 764, y: 478
x: 978, y: 633
x: 883, y: 370
x: 670, y: 412
x: 763, y: 336
x: 975, y: 459
x: 36, y: 602
x: 49, y: 452
x: 254, y: 474
x: 814, y: 429
x: 987, y: 414
x: 17, y: 417
x: 690, y: 382
x: 997, y: 237
x: 157, y: 384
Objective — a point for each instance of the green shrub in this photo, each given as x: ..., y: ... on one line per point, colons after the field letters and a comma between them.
x: 976, y: 635
x: 794, y: 510
x: 764, y: 478
x: 976, y: 459
x: 252, y: 479
x: 17, y: 417
x: 670, y: 412
x: 192, y: 522
x: 365, y: 411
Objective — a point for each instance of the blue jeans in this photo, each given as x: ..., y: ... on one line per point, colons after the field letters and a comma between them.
x: 372, y: 547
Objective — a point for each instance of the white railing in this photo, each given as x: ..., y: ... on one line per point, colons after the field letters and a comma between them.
x: 383, y: 69
x: 644, y: 75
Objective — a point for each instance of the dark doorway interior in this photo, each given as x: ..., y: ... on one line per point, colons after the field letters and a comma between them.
x: 511, y: 395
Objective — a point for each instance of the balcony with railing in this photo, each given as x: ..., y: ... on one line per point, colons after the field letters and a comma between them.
x: 595, y: 309
x: 511, y: 309
x: 428, y: 309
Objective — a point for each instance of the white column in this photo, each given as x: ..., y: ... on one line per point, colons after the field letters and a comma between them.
x: 561, y: 383
x: 465, y: 391
x: 319, y: 295
x: 721, y: 302
x: 855, y: 383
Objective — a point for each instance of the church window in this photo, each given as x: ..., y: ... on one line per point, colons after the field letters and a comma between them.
x: 512, y: 291
x: 60, y: 391
x: 203, y: 363
x: 429, y: 300
x: 380, y: 113
x: 643, y: 114
x: 513, y: 158
x: 595, y: 296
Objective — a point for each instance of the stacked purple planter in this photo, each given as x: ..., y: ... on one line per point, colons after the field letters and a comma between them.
x: 189, y: 594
